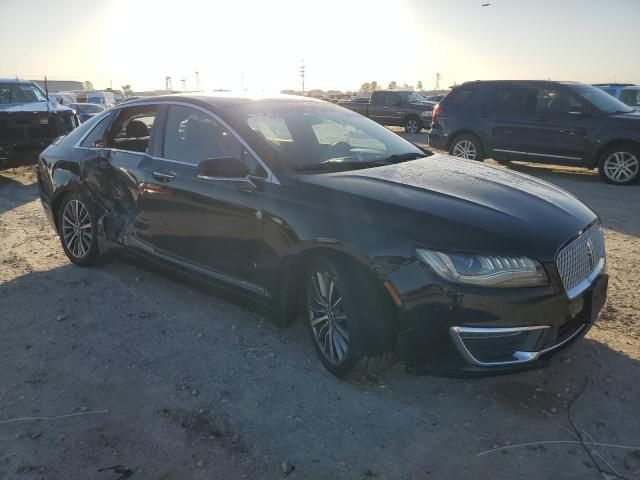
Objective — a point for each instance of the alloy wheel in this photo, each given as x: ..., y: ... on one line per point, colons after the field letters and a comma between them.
x: 412, y: 126
x: 620, y: 167
x: 327, y: 317
x: 465, y: 149
x: 77, y: 233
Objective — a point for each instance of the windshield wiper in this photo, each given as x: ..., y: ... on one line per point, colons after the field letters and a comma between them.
x: 403, y: 157
x: 332, y: 166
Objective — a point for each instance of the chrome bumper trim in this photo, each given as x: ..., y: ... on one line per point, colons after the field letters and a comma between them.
x: 519, y: 357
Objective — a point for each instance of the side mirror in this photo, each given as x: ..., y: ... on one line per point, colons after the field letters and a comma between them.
x: 222, y: 167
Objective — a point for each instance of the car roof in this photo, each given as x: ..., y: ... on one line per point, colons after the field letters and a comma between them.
x: 15, y: 80
x: 521, y: 82
x: 224, y: 99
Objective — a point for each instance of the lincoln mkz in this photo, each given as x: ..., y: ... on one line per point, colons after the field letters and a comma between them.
x: 386, y: 251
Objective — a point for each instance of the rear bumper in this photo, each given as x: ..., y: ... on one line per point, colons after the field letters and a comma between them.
x: 456, y: 330
x: 437, y: 139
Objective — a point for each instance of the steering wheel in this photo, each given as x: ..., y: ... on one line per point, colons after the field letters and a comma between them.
x: 339, y: 148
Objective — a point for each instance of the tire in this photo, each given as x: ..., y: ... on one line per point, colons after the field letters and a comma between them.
x: 412, y: 125
x: 467, y: 146
x: 620, y: 165
x: 76, y: 216
x: 356, y: 337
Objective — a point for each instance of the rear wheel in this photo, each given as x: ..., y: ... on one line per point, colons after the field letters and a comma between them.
x: 467, y: 146
x: 349, y: 325
x: 412, y: 125
x: 620, y: 165
x: 77, y: 228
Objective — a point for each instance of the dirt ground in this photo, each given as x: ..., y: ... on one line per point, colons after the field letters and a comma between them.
x: 121, y: 372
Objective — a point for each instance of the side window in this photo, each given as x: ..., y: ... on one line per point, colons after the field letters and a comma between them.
x: 192, y: 136
x: 392, y: 99
x: 458, y: 97
x: 132, y: 129
x: 553, y: 100
x: 98, y: 132
x: 509, y: 101
x: 630, y: 97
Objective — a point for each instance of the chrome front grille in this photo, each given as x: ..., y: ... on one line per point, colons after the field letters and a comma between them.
x: 580, y: 259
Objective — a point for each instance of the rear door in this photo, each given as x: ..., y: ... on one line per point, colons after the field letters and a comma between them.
x: 507, y: 114
x: 211, y: 225
x: 386, y: 108
x: 114, y: 166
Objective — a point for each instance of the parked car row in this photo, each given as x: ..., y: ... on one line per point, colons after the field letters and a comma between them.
x: 312, y: 210
x: 540, y: 121
x: 404, y: 108
x: 627, y: 93
x: 28, y: 120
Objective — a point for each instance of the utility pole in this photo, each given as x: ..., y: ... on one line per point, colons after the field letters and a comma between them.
x: 167, y: 84
x: 302, y: 75
x: 184, y: 84
x: 197, y: 81
x: 437, y: 82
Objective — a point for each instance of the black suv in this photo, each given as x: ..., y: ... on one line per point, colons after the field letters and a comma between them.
x: 540, y: 121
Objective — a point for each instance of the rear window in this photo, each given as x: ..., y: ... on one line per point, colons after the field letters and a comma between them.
x: 459, y: 96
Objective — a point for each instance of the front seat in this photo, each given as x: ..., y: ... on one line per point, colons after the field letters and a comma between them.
x: 137, y: 136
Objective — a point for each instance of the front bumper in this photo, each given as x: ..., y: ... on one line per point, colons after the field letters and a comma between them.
x: 461, y: 330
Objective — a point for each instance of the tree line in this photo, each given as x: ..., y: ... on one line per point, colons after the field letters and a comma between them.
x: 368, y: 87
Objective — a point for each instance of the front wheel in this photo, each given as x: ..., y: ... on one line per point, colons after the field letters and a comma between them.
x: 349, y: 325
x: 467, y: 146
x: 77, y: 227
x: 412, y: 125
x: 620, y: 165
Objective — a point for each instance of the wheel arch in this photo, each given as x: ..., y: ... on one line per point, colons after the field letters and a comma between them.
x: 595, y: 160
x: 466, y: 131
x: 293, y: 266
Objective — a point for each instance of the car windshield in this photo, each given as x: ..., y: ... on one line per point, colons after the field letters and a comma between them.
x: 602, y: 100
x: 20, y: 93
x: 309, y: 136
x: 88, y: 108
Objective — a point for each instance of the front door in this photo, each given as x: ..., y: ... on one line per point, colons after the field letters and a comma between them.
x: 559, y: 132
x: 211, y: 225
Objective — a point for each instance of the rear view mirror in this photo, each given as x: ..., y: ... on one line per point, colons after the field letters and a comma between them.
x: 222, y: 167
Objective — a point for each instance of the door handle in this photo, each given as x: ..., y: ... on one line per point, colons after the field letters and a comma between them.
x: 164, y: 176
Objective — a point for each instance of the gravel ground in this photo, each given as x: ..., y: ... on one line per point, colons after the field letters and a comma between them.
x: 120, y: 372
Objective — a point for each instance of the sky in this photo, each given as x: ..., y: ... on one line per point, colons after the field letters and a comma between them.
x: 259, y: 45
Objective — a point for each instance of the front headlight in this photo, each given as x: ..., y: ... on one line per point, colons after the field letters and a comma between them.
x: 485, y: 270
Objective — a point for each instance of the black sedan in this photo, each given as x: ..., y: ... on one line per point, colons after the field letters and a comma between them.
x: 86, y: 110
x: 385, y: 250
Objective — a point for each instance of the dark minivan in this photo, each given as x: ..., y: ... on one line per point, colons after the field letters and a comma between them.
x: 540, y: 121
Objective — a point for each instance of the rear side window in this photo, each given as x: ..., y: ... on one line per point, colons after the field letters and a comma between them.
x: 132, y: 129
x: 458, y: 97
x: 97, y: 133
x: 510, y: 101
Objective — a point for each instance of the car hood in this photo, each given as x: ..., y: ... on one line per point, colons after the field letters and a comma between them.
x: 33, y: 107
x: 454, y: 204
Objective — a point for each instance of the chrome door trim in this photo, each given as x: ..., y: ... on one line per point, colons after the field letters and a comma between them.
x: 508, y: 151
x: 553, y: 156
